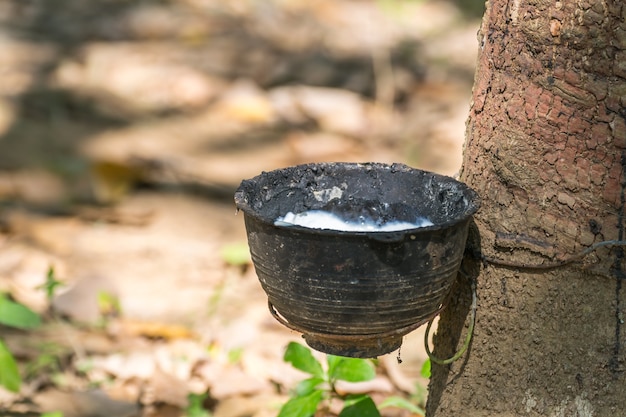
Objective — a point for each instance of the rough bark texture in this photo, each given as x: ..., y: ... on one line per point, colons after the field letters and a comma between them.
x: 545, y: 150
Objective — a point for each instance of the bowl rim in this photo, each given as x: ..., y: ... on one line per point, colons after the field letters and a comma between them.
x: 474, y: 203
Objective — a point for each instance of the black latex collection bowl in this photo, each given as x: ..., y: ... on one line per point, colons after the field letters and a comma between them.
x: 356, y: 293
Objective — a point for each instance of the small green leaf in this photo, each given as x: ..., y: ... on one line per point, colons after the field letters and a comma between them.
x: 108, y: 304
x: 52, y: 414
x: 9, y: 374
x: 17, y: 315
x: 300, y: 357
x: 352, y: 399
x: 307, y: 386
x: 236, y: 254
x: 351, y: 369
x: 301, y: 406
x: 50, y: 285
x: 333, y: 361
x: 425, y: 371
x: 234, y: 355
x: 195, y: 406
x: 363, y: 406
x: 400, y: 402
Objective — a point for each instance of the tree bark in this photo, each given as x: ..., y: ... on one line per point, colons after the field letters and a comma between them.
x: 545, y: 150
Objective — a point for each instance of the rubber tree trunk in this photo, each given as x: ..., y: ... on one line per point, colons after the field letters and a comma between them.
x: 545, y: 149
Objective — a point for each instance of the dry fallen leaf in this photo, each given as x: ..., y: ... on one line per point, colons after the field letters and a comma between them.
x: 321, y: 145
x: 335, y: 110
x: 246, y: 102
x: 156, y: 330
x: 136, y: 364
x: 168, y: 389
x: 80, y: 301
x: 266, y: 405
x: 80, y: 404
x: 226, y: 380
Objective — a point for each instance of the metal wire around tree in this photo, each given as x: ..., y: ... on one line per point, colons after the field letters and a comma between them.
x: 554, y: 264
x: 468, y: 337
x: 501, y: 262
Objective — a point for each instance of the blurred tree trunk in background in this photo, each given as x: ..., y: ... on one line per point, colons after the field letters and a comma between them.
x: 545, y: 149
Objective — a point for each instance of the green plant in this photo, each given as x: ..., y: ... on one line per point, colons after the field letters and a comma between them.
x: 15, y: 315
x: 108, y: 305
x: 52, y: 414
x: 425, y: 371
x: 234, y: 355
x: 47, y: 361
x: 50, y: 285
x: 319, y: 389
x: 195, y: 406
x: 236, y: 254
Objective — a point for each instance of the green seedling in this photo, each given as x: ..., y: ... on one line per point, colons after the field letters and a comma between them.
x: 234, y: 355
x: 425, y: 371
x: 195, y: 406
x: 236, y: 254
x: 19, y: 316
x: 51, y: 285
x: 316, y: 391
x: 9, y: 373
x: 108, y: 304
x: 47, y: 361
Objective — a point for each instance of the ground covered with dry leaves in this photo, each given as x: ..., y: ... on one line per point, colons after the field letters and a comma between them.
x: 125, y: 128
